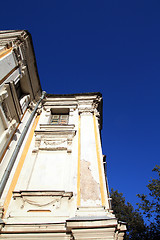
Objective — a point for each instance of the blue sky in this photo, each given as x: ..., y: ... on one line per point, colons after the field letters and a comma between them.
x: 108, y: 46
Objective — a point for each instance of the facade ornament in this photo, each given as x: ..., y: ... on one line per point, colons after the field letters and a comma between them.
x: 69, y: 145
x: 96, y: 103
x: 37, y: 144
x: 23, y: 69
x: 47, y: 111
x: 85, y: 111
x: 53, y: 145
x: 56, y: 143
x: 71, y: 111
x: 90, y: 107
x: 11, y: 127
x: 51, y: 201
x: 96, y: 106
x: 3, y: 95
x: 39, y: 110
x: 32, y: 105
x: 98, y: 116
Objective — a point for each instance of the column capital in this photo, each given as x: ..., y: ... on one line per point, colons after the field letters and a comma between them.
x: 85, y: 111
x: 90, y: 107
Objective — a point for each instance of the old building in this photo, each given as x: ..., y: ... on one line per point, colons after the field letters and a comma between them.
x: 52, y: 178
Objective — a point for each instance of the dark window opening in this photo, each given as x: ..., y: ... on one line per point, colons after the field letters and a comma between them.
x: 19, y: 91
x: 59, y: 116
x: 6, y: 110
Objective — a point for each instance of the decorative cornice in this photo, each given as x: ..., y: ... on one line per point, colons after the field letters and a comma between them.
x: 54, y: 139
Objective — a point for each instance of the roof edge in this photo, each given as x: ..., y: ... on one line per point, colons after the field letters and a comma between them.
x: 74, y: 94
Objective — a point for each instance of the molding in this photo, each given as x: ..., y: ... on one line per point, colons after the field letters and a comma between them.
x: 31, y: 193
x: 40, y: 203
x: 57, y: 127
x: 54, y: 138
x: 86, y: 111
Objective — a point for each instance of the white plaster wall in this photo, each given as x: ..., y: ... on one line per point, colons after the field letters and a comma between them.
x: 13, y: 77
x: 7, y: 63
x: 49, y: 171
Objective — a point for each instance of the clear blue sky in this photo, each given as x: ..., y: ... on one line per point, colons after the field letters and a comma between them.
x: 108, y: 46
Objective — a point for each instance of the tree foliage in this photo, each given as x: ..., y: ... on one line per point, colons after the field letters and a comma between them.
x: 125, y: 212
x: 150, y: 205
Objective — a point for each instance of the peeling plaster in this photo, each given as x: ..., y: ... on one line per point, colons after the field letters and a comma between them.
x: 90, y: 189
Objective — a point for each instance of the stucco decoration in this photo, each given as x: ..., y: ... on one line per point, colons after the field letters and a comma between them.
x: 53, y: 145
x: 36, y: 204
x: 41, y: 199
x: 54, y: 138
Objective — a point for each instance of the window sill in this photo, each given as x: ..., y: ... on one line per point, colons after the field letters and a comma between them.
x: 55, y: 127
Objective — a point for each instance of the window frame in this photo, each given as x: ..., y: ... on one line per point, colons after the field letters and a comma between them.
x: 60, y: 120
x: 59, y: 116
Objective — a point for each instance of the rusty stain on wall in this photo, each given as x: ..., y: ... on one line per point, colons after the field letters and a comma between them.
x: 89, y: 188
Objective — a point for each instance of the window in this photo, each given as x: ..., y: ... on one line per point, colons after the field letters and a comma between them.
x: 59, y: 119
x: 18, y: 90
x: 59, y: 116
x: 22, y: 96
x: 6, y: 110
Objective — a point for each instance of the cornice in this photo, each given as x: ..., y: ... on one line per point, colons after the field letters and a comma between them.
x: 20, y: 41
